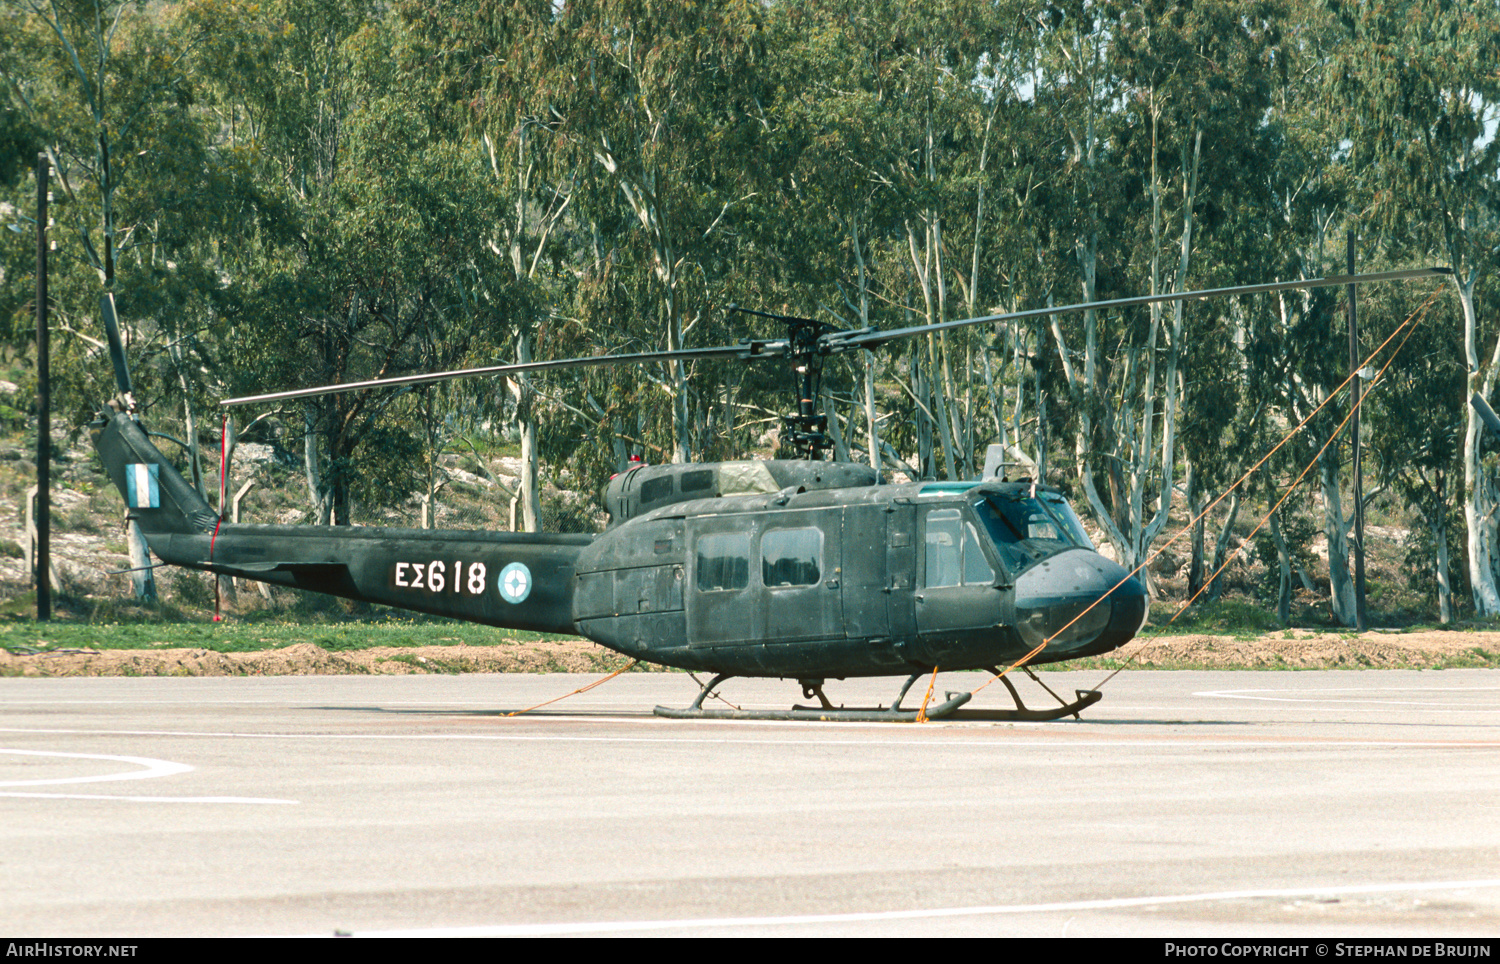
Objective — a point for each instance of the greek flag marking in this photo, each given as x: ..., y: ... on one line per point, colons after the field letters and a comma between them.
x: 144, y: 492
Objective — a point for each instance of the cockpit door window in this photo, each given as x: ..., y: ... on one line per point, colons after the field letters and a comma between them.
x: 954, y: 556
x: 1026, y: 531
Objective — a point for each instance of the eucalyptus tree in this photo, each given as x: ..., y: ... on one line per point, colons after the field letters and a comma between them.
x: 1420, y: 114
x: 369, y: 260
x: 1294, y: 349
x: 653, y: 106
x: 1160, y: 105
x: 1418, y: 446
x: 829, y: 156
x: 891, y: 122
x: 491, y: 72
x: 20, y: 143
x: 108, y: 88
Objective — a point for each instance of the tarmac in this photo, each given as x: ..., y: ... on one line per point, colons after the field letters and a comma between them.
x: 1185, y: 804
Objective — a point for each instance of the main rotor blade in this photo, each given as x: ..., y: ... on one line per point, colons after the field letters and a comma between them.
x: 1486, y: 414
x: 833, y: 342
x: 876, y: 338
x: 750, y: 349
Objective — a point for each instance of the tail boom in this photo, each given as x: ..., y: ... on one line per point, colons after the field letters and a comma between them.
x: 508, y: 579
x: 514, y: 580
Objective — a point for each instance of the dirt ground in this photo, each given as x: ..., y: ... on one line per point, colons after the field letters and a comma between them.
x: 1308, y: 649
x: 1294, y: 649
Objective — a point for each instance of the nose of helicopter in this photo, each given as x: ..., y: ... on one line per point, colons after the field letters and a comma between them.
x: 1054, y: 600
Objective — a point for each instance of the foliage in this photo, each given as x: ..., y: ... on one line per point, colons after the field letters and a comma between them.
x: 1298, y: 531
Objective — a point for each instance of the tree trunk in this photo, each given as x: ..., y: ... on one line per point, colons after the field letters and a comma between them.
x: 1479, y: 491
x: 528, y: 486
x: 227, y: 440
x: 1445, y: 591
x: 142, y: 576
x: 872, y: 427
x: 1221, y: 546
x: 1336, y: 528
x: 317, y: 492
x: 1283, y: 558
x: 1195, y: 506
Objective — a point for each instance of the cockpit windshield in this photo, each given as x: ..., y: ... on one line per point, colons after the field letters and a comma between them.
x: 1028, y: 530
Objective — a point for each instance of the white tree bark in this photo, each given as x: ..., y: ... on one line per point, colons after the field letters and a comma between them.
x: 1336, y: 527
x: 1479, y: 489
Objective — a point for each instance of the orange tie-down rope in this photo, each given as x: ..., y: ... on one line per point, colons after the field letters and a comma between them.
x: 581, y: 689
x: 922, y: 713
x: 1412, y: 320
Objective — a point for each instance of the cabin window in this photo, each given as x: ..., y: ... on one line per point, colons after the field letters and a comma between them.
x: 723, y: 561
x: 791, y: 557
x: 954, y: 557
x: 700, y: 481
x: 655, y: 490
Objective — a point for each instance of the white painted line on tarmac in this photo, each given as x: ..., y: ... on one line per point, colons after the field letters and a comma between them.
x: 923, y: 739
x: 489, y: 704
x: 150, y: 769
x: 1115, y: 903
x: 1368, y: 700
x: 102, y: 796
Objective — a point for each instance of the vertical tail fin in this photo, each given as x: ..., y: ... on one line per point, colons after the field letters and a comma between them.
x: 160, y: 499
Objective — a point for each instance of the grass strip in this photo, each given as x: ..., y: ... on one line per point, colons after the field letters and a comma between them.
x: 236, y: 637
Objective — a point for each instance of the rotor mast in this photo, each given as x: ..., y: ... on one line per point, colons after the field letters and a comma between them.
x: 806, y: 431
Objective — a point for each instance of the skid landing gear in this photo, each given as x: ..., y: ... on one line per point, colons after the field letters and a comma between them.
x: 1085, y: 698
x: 825, y: 711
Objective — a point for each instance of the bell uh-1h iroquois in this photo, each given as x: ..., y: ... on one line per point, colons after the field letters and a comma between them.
x: 801, y: 569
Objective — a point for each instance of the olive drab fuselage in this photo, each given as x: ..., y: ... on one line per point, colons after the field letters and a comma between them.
x: 833, y: 575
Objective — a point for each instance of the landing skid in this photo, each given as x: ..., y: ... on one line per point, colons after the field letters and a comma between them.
x: 949, y: 709
x: 826, y: 711
x: 1021, y: 714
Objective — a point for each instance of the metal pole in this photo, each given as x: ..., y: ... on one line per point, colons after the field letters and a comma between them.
x: 43, y: 557
x: 1359, y: 487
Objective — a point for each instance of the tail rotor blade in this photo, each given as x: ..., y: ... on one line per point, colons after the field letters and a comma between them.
x: 116, y: 348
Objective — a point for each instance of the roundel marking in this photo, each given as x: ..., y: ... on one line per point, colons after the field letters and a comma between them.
x: 514, y: 582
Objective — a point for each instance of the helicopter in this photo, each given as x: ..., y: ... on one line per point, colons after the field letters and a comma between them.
x: 800, y: 569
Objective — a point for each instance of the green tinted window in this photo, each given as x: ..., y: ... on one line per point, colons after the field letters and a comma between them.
x: 655, y: 490
x: 954, y: 557
x: 791, y: 557
x: 723, y: 561
x: 700, y: 481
